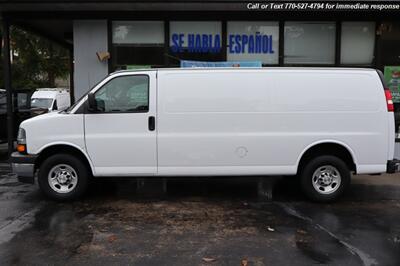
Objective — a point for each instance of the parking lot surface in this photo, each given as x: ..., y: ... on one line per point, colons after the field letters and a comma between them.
x: 200, y: 222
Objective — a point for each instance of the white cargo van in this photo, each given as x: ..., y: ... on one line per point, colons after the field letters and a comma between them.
x: 317, y: 124
x: 52, y: 99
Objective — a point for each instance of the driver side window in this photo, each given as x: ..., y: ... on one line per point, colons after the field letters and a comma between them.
x: 124, y: 94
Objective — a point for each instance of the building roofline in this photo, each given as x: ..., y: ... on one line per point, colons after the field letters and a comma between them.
x: 151, y: 5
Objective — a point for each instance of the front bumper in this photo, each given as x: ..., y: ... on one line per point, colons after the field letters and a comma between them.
x: 23, y: 165
x: 393, y: 166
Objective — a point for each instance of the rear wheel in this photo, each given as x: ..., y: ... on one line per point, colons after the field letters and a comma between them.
x: 63, y: 177
x: 325, y: 178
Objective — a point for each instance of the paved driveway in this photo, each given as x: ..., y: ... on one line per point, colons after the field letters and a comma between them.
x: 218, y: 222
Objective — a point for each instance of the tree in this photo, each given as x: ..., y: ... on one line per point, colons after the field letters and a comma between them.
x: 36, y: 61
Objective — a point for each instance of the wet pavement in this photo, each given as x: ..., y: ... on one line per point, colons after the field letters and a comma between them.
x: 200, y: 222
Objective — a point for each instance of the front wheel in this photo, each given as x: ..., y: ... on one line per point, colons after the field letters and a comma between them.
x: 63, y: 177
x: 325, y: 178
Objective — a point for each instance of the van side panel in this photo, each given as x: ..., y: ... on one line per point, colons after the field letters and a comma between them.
x: 344, y: 106
x: 213, y: 122
x: 224, y: 122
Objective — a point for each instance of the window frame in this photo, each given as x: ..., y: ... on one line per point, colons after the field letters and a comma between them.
x: 126, y: 112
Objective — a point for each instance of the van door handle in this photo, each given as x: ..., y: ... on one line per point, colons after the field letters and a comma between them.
x: 152, y: 123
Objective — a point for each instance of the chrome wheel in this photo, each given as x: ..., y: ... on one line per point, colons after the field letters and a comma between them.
x: 326, y: 179
x: 62, y: 178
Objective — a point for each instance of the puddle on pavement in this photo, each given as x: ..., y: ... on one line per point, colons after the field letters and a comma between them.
x: 217, y: 218
x: 178, y: 188
x: 306, y: 244
x: 180, y: 231
x: 57, y: 231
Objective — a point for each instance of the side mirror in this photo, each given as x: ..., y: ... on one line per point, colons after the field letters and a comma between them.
x: 92, y: 104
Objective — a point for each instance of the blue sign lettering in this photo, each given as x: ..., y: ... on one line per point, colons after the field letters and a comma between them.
x: 251, y: 44
x: 196, y: 43
x: 177, y: 42
x: 210, y: 43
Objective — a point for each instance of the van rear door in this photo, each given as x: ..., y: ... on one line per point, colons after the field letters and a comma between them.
x: 120, y: 136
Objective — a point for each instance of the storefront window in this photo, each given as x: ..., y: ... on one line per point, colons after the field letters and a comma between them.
x: 253, y: 40
x: 309, y: 43
x: 195, y: 40
x: 137, y: 43
x: 138, y: 32
x: 357, y: 43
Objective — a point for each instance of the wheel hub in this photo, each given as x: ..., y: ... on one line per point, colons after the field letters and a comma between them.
x: 62, y: 178
x: 326, y: 179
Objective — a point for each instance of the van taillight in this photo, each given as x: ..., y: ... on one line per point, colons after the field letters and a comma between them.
x: 389, y: 100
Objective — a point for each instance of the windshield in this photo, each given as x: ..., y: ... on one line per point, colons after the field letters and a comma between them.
x: 41, y: 103
x: 69, y: 109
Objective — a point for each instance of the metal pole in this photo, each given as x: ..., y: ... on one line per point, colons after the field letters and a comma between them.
x: 7, y: 83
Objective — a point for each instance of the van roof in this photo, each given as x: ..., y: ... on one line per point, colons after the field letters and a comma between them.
x: 246, y: 68
x: 45, y: 94
x: 52, y: 89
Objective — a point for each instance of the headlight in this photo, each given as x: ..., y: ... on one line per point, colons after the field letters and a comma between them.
x: 21, y: 138
x: 21, y: 141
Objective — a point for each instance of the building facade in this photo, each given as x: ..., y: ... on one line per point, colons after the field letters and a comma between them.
x: 105, y: 36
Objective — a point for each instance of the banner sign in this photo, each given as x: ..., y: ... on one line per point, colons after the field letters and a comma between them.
x: 192, y: 64
x: 323, y: 6
x: 392, y: 79
x: 132, y: 67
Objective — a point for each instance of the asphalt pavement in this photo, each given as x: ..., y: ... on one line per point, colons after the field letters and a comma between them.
x: 200, y: 222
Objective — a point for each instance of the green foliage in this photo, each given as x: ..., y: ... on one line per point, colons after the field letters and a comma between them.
x: 36, y: 61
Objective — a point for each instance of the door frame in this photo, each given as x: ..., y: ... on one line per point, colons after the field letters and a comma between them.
x: 81, y: 108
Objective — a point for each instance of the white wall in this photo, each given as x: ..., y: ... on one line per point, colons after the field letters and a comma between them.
x: 90, y: 36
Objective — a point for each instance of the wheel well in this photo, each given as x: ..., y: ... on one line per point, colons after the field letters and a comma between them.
x: 328, y: 149
x: 57, y: 149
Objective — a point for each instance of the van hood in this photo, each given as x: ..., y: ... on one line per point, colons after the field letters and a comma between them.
x: 42, y: 117
x: 53, y: 129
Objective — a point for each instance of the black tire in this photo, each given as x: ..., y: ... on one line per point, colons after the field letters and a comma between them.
x: 81, y: 172
x: 306, y: 178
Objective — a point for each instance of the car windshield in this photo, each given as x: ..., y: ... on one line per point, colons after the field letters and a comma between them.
x: 41, y: 103
x: 69, y: 109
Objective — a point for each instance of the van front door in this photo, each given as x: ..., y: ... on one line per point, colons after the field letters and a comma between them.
x: 120, y: 135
